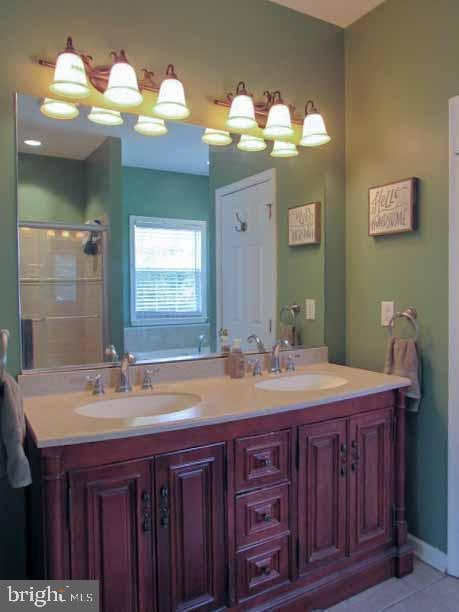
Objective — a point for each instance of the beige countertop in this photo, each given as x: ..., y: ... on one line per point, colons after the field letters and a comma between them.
x: 55, y: 423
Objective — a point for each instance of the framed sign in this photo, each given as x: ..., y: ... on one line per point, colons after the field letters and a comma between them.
x: 391, y: 208
x: 304, y: 224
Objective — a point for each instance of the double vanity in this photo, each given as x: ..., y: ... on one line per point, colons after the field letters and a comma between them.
x: 281, y: 492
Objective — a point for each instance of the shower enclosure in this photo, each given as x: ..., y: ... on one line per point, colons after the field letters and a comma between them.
x: 62, y: 283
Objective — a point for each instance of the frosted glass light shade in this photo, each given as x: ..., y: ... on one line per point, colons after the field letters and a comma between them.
x: 251, y: 143
x: 123, y: 88
x: 217, y: 138
x: 58, y: 109
x: 284, y: 149
x: 150, y: 126
x: 171, y: 102
x: 70, y: 75
x: 279, y: 122
x: 314, y: 131
x: 105, y: 116
x: 242, y: 113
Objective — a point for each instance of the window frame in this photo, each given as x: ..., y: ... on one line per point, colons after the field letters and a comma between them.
x: 174, y: 224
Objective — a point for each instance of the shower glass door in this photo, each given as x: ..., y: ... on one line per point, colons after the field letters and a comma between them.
x: 62, y: 284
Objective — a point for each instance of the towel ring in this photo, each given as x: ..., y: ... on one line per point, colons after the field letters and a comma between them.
x: 411, y: 314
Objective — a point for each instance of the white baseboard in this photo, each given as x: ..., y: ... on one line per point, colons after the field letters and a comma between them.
x: 427, y: 553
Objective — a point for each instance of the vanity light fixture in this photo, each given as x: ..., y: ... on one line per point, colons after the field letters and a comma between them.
x: 171, y: 102
x: 314, y: 130
x: 105, y: 116
x: 123, y: 88
x: 30, y: 142
x: 70, y: 78
x: 251, y: 143
x: 58, y: 109
x: 284, y: 149
x: 242, y: 110
x: 150, y: 126
x: 279, y: 123
x: 217, y: 138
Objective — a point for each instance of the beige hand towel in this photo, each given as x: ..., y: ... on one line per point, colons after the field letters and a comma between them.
x: 13, y: 461
x: 402, y: 359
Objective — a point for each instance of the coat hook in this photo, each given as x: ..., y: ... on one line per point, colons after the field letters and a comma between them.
x: 242, y: 224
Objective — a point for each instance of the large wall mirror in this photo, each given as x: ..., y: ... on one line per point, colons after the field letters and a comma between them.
x: 153, y: 245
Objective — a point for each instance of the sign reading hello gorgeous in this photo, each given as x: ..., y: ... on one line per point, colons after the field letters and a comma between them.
x: 391, y: 208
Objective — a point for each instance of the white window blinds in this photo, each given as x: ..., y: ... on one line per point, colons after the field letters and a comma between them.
x: 168, y: 281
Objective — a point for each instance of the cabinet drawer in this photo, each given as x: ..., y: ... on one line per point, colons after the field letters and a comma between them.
x: 262, y: 514
x: 262, y: 460
x: 262, y: 567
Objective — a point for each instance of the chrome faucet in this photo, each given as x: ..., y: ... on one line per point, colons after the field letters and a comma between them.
x: 124, y: 385
x: 275, y: 360
x: 201, y: 341
x: 258, y: 341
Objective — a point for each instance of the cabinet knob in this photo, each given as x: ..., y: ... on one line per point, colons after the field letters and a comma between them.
x: 266, y: 570
x: 343, y: 471
x: 267, y: 517
x: 354, y: 466
x: 343, y: 448
x: 267, y: 461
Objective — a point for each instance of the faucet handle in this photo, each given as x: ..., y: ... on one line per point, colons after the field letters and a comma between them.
x: 148, y: 378
x: 98, y: 384
x: 255, y: 364
x: 291, y: 363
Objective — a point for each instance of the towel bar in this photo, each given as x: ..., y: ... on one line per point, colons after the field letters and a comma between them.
x: 411, y: 314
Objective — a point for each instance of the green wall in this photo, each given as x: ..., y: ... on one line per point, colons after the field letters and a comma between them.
x: 213, y: 44
x: 401, y: 69
x: 299, y: 180
x: 155, y: 193
x: 51, y: 189
x: 104, y: 198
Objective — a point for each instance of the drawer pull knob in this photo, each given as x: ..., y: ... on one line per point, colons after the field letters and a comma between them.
x: 266, y: 570
x: 354, y: 467
x: 267, y: 462
x: 343, y: 472
x: 267, y: 517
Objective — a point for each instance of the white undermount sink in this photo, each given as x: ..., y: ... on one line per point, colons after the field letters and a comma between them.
x: 302, y: 382
x: 143, y: 409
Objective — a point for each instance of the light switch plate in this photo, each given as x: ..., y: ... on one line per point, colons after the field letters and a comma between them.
x: 310, y: 309
x: 387, y: 312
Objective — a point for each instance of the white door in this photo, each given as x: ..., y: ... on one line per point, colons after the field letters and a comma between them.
x: 246, y: 266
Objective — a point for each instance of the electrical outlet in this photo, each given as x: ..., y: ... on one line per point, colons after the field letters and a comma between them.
x: 310, y: 309
x: 387, y: 312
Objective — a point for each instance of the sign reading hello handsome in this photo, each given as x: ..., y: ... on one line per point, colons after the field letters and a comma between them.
x: 391, y: 208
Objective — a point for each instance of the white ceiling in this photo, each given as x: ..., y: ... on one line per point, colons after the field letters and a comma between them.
x: 180, y: 150
x: 339, y: 12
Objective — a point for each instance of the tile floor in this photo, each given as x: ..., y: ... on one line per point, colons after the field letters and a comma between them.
x: 425, y: 590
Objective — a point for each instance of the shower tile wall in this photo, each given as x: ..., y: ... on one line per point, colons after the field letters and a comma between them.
x: 61, y: 298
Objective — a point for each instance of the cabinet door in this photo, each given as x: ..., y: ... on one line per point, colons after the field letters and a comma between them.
x: 322, y: 478
x: 190, y: 529
x: 110, y: 530
x: 370, y: 479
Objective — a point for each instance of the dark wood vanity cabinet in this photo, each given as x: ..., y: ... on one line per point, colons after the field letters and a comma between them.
x: 288, y: 511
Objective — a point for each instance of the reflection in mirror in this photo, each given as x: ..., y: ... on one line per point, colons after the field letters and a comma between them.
x: 165, y: 247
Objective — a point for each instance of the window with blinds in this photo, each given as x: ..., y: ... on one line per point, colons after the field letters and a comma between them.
x: 168, y: 271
